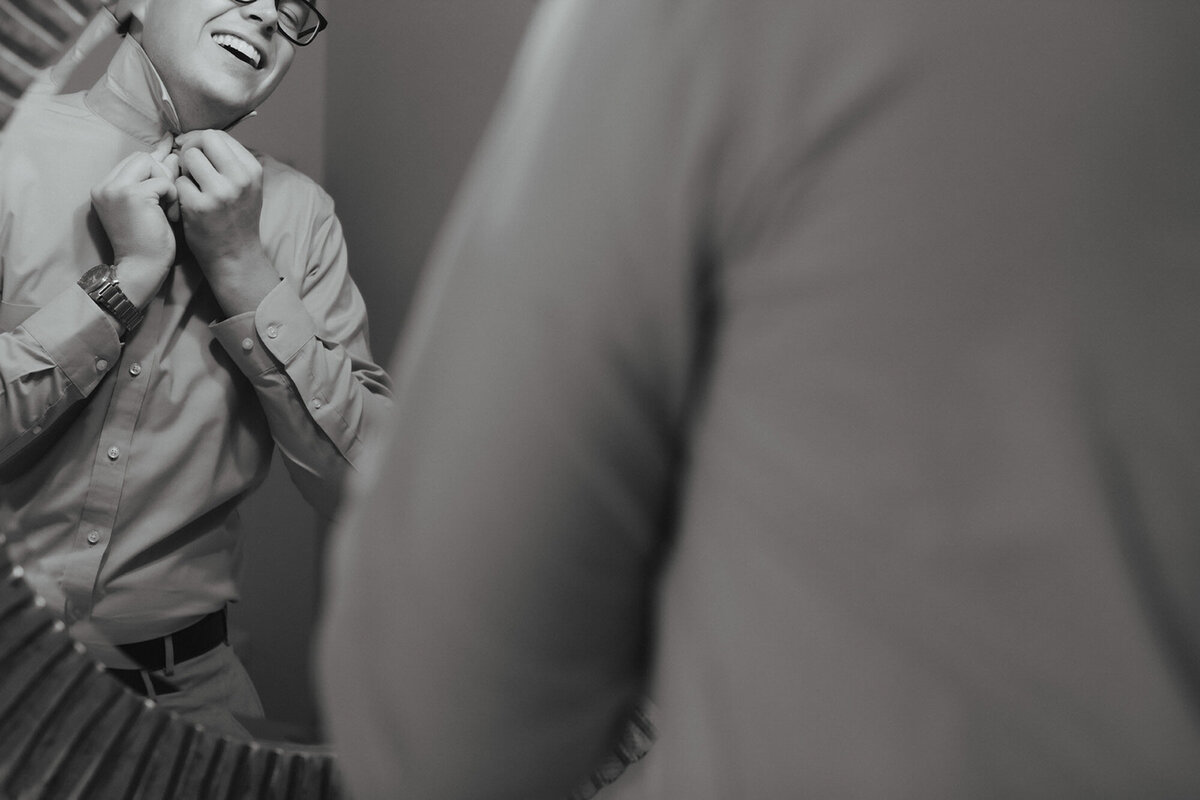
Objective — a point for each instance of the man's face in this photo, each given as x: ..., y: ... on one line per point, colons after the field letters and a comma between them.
x: 219, y: 60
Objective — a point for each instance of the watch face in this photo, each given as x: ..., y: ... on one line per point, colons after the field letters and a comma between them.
x: 95, y: 276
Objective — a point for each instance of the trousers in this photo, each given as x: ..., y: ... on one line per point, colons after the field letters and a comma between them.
x: 212, y: 689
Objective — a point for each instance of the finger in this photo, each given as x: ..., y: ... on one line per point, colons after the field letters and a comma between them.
x: 222, y: 150
x: 188, y: 194
x: 132, y: 169
x: 162, y: 188
x: 194, y: 164
x: 169, y: 167
x: 129, y: 172
x: 119, y: 168
x: 200, y: 138
x: 213, y: 144
x: 169, y: 200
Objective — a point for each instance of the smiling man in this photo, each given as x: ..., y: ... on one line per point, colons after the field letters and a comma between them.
x: 173, y: 310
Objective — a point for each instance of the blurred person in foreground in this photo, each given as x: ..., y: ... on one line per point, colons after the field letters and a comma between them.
x: 827, y: 369
x: 173, y: 310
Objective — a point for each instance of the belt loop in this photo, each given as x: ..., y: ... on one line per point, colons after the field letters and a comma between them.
x: 149, y: 684
x: 169, y: 643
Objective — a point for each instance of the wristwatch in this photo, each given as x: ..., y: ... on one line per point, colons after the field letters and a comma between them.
x: 100, y: 283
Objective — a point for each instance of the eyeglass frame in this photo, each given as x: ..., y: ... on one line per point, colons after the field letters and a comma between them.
x: 322, y: 23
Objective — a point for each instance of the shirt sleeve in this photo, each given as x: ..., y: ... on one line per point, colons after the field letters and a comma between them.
x: 504, y: 562
x: 305, y: 350
x: 50, y: 360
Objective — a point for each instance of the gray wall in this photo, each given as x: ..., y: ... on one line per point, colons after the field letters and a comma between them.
x: 411, y: 86
x: 408, y: 88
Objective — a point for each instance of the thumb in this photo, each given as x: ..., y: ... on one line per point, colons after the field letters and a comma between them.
x: 169, y: 167
x: 169, y: 200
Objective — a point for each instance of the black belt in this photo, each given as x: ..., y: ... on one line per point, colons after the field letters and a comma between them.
x: 194, y: 640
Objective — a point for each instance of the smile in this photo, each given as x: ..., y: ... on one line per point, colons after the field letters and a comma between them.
x: 240, y: 48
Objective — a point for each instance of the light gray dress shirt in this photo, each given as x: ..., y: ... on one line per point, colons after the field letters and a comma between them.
x: 122, y: 465
x: 828, y: 369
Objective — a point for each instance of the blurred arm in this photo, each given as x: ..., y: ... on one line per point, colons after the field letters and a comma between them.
x: 488, y: 630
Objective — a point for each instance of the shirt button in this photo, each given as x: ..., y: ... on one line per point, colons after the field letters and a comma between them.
x: 37, y: 429
x: 272, y: 332
x: 101, y: 365
x: 247, y: 344
x: 135, y: 369
x: 93, y: 537
x: 316, y: 403
x: 114, y: 453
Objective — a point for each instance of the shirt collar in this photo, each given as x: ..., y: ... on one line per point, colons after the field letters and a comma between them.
x: 132, y: 96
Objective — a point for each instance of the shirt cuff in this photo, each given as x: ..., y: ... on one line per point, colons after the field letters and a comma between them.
x: 78, y: 335
x: 260, y: 340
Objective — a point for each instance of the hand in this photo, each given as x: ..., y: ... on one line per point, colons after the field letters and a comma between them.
x: 129, y: 202
x: 220, y: 203
x: 220, y: 196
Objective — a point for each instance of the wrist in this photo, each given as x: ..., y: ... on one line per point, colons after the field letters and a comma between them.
x: 140, y: 279
x: 103, y: 286
x: 240, y: 284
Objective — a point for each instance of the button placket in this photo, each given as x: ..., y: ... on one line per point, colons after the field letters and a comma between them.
x: 107, y: 483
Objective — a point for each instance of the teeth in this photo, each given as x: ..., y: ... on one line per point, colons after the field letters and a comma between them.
x: 240, y: 45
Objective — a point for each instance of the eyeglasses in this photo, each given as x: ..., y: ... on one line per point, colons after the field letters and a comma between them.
x: 298, y: 20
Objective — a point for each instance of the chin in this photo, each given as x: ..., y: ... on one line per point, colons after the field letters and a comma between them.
x: 214, y: 116
x: 225, y: 108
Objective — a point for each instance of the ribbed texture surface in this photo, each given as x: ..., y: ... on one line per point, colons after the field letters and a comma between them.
x: 33, y: 35
x: 69, y: 732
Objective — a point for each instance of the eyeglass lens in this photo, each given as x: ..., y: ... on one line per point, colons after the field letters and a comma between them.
x: 297, y: 19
